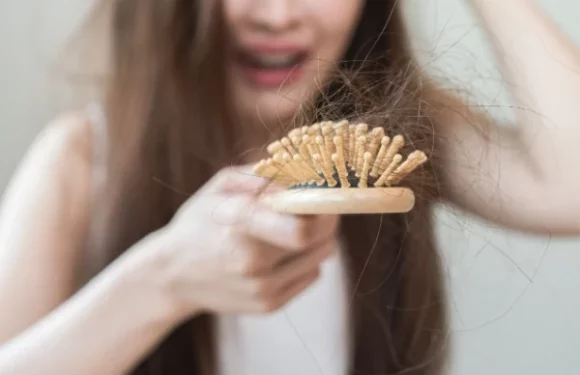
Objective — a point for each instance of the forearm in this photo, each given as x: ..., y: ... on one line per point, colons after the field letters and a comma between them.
x: 105, y: 329
x: 523, y: 177
x: 541, y: 67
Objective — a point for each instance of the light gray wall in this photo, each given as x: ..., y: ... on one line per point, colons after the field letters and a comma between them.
x: 516, y: 299
x: 31, y: 32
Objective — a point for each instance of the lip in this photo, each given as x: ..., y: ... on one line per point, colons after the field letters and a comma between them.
x: 271, y: 78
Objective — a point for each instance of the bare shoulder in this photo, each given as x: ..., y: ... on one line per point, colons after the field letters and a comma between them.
x: 67, y: 136
x: 62, y: 148
x: 43, y: 222
x: 56, y: 168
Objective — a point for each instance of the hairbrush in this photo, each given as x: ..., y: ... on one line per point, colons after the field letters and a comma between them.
x: 339, y: 168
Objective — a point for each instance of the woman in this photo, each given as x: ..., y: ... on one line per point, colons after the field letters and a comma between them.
x: 138, y: 188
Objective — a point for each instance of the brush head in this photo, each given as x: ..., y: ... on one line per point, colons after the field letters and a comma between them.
x: 339, y: 168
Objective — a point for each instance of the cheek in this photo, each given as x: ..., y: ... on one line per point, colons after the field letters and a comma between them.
x: 234, y: 12
x: 336, y: 22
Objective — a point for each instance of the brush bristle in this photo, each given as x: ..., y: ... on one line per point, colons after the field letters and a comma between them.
x: 338, y: 154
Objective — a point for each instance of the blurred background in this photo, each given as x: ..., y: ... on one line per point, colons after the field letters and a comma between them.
x: 516, y: 299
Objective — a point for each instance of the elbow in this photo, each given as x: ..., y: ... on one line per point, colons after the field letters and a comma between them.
x: 560, y: 213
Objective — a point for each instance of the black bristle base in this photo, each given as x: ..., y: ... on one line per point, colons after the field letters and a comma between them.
x: 352, y: 179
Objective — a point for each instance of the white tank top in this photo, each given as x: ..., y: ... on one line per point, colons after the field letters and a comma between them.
x: 309, y: 336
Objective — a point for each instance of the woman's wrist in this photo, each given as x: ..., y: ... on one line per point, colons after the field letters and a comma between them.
x: 106, y: 327
x: 146, y: 271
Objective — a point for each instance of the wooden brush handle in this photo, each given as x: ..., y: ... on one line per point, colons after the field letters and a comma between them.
x: 323, y: 201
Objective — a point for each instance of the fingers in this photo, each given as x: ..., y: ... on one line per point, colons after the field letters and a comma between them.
x: 268, y: 305
x: 273, y: 289
x: 238, y: 179
x: 234, y: 203
x: 290, y: 272
x: 242, y: 214
x: 252, y: 258
x: 294, y: 233
x: 261, y: 302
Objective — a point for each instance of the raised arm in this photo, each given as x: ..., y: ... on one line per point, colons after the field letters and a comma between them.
x: 525, y: 177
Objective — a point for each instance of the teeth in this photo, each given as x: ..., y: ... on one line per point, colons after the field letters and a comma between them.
x: 275, y: 59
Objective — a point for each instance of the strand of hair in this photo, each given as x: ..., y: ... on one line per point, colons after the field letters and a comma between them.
x: 283, y: 170
x: 290, y: 168
x: 309, y: 173
x: 299, y: 168
x: 314, y: 130
x: 390, y: 168
x: 296, y: 142
x: 282, y: 176
x: 326, y: 172
x: 312, y: 154
x: 374, y: 142
x: 274, y: 147
x: 261, y: 169
x: 295, y: 169
x: 271, y: 168
x: 414, y: 160
x: 288, y: 146
x: 396, y: 144
x: 341, y: 167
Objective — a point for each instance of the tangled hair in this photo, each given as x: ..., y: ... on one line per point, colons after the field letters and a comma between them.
x: 169, y: 121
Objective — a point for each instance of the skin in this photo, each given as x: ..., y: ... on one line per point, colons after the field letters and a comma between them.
x: 322, y: 27
x: 522, y: 179
x: 46, y: 208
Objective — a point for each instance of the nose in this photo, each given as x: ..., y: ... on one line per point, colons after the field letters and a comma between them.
x: 275, y: 15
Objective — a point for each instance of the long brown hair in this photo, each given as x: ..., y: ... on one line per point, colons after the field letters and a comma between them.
x: 169, y: 122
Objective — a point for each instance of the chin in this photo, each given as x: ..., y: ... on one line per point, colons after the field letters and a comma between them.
x: 273, y: 107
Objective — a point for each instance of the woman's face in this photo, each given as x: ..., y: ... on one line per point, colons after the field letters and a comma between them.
x: 282, y: 50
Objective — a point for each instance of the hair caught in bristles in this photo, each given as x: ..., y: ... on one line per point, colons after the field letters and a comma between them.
x: 338, y: 154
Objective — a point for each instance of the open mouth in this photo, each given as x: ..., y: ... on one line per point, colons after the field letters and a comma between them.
x: 273, y: 66
x: 272, y: 60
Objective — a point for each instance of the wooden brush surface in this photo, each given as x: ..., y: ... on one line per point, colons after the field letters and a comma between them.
x: 339, y: 167
x: 306, y: 201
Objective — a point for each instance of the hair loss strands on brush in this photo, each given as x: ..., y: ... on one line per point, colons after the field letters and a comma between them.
x: 338, y: 154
